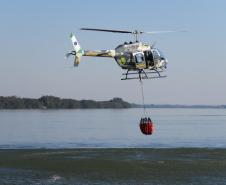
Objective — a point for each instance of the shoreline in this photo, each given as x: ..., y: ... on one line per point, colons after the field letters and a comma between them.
x: 55, y: 103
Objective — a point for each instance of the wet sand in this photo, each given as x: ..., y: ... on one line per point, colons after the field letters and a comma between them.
x: 113, y: 166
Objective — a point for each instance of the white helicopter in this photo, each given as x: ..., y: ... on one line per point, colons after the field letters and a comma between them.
x: 142, y: 61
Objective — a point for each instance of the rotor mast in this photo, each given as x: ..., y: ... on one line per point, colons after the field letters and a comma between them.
x: 136, y: 34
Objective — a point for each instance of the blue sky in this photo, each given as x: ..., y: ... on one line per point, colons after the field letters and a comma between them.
x: 35, y: 36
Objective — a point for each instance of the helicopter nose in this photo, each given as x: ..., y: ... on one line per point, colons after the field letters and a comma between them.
x: 164, y: 62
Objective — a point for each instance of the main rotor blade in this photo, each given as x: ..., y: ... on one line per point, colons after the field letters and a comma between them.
x: 135, y: 32
x: 169, y: 31
x: 106, y: 30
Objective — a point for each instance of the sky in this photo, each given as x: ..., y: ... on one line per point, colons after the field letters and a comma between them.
x: 34, y: 38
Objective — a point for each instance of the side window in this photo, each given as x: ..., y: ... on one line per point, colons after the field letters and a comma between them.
x: 139, y: 58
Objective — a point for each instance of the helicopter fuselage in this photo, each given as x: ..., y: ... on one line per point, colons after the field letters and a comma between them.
x: 133, y: 56
x: 137, y: 55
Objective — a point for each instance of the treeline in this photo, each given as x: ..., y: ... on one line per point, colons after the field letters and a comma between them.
x: 52, y: 102
x: 181, y: 106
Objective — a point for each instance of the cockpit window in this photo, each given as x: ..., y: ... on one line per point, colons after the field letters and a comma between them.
x: 157, y: 54
x: 161, y: 54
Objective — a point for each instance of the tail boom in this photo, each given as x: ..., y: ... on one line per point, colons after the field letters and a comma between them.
x: 99, y: 53
x: 78, y: 52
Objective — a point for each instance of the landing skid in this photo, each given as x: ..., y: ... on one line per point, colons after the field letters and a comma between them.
x: 142, y: 74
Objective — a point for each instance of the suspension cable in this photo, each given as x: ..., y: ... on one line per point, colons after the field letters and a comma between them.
x: 142, y: 92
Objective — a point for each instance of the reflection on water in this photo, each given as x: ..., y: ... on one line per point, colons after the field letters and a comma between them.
x: 111, y: 128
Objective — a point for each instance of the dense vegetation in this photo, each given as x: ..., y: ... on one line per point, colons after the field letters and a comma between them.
x: 51, y: 102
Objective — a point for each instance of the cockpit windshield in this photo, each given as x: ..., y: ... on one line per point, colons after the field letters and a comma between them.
x: 161, y: 54
x: 157, y: 54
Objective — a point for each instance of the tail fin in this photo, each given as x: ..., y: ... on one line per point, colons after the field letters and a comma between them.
x: 78, y: 51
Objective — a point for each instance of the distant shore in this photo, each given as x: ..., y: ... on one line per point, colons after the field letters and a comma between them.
x: 52, y: 102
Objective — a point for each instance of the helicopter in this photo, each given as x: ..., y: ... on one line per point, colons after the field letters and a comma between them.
x: 142, y: 61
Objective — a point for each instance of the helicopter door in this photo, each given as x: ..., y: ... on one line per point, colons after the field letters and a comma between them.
x: 149, y: 58
x: 139, y: 60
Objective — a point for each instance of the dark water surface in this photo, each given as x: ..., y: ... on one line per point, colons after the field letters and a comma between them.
x: 181, y: 166
x: 110, y: 128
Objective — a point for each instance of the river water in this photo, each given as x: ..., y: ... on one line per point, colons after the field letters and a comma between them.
x: 112, y: 128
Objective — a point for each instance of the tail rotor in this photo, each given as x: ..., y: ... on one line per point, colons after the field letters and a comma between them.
x: 77, y: 52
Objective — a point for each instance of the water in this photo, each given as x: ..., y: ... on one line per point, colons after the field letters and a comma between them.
x: 180, y: 166
x: 106, y: 147
x: 112, y: 128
